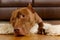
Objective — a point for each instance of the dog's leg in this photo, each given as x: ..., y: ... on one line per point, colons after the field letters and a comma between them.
x: 40, y: 29
x: 40, y: 23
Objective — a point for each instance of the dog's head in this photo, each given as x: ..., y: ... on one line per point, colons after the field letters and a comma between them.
x: 23, y: 19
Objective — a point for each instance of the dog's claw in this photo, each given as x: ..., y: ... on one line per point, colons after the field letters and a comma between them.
x: 42, y: 31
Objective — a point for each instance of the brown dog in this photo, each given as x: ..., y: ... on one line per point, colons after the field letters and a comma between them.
x: 24, y: 19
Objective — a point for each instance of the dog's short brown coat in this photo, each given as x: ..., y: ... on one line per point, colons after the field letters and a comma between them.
x: 23, y: 20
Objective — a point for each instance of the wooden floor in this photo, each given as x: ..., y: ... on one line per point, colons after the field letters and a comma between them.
x: 29, y: 37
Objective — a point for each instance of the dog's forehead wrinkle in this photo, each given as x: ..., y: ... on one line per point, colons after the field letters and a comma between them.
x: 23, y: 8
x: 24, y: 11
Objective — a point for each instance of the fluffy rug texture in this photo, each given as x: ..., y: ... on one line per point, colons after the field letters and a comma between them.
x: 52, y: 29
x: 49, y: 29
x: 6, y: 28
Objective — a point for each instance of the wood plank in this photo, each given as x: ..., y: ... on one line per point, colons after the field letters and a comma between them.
x: 29, y: 37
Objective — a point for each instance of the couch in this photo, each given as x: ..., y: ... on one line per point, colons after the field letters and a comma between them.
x: 48, y: 10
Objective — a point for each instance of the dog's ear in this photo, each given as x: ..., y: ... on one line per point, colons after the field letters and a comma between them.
x: 30, y: 7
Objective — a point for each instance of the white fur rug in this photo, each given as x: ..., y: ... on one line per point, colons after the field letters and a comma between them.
x: 52, y: 29
x: 6, y: 28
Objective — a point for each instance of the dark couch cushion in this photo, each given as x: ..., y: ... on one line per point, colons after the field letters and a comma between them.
x: 47, y: 3
x: 48, y: 12
x: 14, y: 3
x: 5, y: 13
x: 43, y: 12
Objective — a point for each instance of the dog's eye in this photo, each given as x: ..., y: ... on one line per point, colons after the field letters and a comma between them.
x: 23, y: 15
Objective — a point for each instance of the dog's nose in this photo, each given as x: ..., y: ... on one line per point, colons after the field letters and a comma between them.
x: 16, y: 32
x: 20, y: 32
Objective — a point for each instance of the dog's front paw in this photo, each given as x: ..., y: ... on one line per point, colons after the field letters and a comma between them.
x: 42, y: 31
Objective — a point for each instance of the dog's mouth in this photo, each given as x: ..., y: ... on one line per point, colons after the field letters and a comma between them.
x: 20, y: 31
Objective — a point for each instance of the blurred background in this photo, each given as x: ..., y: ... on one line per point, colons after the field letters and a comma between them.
x: 47, y: 9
